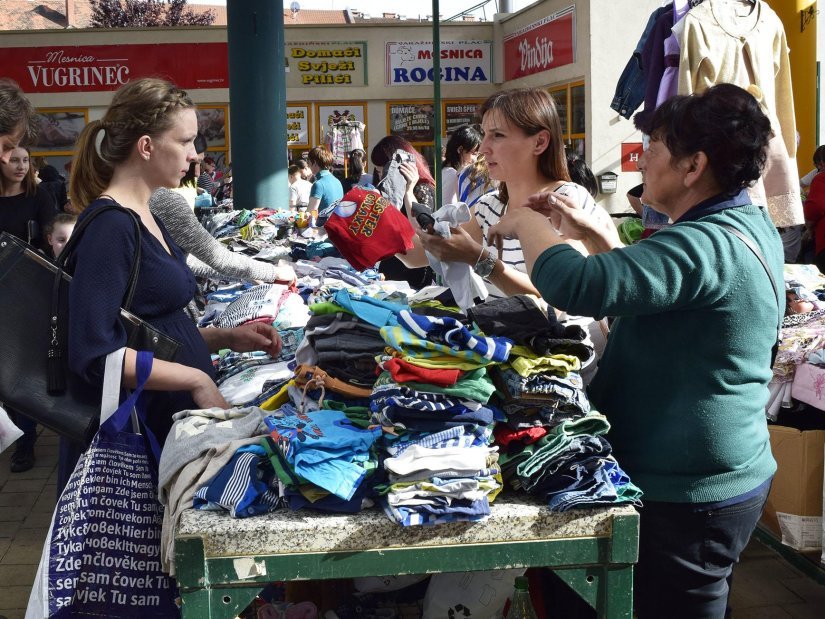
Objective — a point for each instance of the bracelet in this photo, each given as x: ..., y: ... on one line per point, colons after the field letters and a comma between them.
x: 480, y: 254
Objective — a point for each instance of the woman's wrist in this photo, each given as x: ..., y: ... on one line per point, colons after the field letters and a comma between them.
x: 217, y: 338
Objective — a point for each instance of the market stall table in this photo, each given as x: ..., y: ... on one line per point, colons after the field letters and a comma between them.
x: 222, y: 562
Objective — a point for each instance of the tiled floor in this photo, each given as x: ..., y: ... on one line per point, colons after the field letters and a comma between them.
x: 765, y: 585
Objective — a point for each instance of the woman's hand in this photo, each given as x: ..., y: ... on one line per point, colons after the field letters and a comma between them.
x: 256, y: 336
x: 565, y: 215
x: 596, y: 230
x: 206, y: 395
x: 515, y: 222
x: 410, y: 174
x: 460, y: 247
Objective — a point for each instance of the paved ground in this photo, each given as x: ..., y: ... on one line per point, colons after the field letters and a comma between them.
x: 765, y: 585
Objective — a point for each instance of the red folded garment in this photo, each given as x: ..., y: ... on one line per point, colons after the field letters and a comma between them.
x: 505, y: 435
x: 365, y: 228
x: 404, y: 371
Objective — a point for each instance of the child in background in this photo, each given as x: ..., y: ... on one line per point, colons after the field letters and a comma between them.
x: 58, y: 231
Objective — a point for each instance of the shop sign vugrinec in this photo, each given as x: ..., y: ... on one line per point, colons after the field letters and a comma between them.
x: 90, y: 68
x: 543, y: 45
x: 410, y: 63
x: 326, y: 64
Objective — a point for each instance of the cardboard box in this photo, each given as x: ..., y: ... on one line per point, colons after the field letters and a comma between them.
x: 794, y: 509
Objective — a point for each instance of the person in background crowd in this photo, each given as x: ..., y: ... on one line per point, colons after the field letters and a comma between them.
x: 814, y: 208
x: 26, y: 208
x: 224, y: 192
x: 206, y: 180
x: 188, y: 188
x: 58, y: 231
x: 326, y: 189
x: 819, y: 166
x: 18, y: 127
x: 298, y: 188
x: 355, y: 170
x: 422, y: 190
x: 461, y: 151
x: 306, y: 172
x: 146, y: 140
x: 18, y: 119
x: 581, y: 174
x: 474, y: 181
x: 55, y: 184
x: 684, y: 377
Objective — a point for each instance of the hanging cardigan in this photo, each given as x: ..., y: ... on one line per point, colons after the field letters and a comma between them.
x: 717, y: 49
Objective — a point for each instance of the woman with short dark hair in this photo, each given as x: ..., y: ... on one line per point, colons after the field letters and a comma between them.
x: 684, y: 376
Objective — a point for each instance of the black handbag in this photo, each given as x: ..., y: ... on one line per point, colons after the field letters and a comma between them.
x: 34, y: 377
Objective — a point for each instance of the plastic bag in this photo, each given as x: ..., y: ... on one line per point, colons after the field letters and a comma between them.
x: 480, y: 595
x: 8, y: 431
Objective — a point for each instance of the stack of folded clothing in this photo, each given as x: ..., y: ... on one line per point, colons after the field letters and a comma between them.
x: 321, y: 458
x: 431, y: 398
x: 572, y: 466
x: 551, y: 442
x: 249, y: 379
x: 343, y: 336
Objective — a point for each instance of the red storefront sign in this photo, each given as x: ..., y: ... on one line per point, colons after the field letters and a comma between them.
x: 543, y: 45
x: 631, y: 152
x: 88, y: 68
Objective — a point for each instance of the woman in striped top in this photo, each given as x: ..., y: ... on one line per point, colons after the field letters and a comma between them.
x: 524, y: 152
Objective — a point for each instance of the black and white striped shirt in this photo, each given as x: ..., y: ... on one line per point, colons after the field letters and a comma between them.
x: 489, y: 210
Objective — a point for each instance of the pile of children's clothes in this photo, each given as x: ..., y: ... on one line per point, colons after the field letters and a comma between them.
x: 378, y: 396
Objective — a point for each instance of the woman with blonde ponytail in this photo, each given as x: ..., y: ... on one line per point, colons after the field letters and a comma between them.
x: 144, y: 141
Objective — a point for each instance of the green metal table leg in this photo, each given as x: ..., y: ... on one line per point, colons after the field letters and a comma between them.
x: 228, y: 602
x: 608, y: 590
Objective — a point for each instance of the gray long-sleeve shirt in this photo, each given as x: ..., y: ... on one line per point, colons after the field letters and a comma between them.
x: 212, y: 258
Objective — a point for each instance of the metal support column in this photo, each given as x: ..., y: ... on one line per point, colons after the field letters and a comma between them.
x: 437, y: 103
x: 257, y: 97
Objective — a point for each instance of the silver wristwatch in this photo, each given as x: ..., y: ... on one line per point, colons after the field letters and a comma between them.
x: 484, y: 267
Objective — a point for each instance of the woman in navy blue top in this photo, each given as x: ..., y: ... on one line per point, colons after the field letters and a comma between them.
x: 144, y: 141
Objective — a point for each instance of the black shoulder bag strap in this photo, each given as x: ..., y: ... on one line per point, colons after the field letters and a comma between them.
x: 752, y: 246
x: 56, y: 370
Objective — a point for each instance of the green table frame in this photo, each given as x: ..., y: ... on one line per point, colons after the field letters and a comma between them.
x: 222, y: 563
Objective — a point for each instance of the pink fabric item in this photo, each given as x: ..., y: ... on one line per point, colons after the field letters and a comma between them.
x: 302, y: 610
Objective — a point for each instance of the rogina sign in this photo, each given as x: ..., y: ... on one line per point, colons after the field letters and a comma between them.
x: 411, y: 62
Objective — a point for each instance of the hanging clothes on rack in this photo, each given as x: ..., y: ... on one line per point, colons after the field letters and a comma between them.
x: 653, y: 65
x: 669, y: 84
x: 342, y: 137
x: 630, y: 90
x: 744, y: 43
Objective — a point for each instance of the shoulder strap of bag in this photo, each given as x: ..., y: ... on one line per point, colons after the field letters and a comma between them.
x: 56, y: 373
x: 74, y: 240
x: 755, y: 250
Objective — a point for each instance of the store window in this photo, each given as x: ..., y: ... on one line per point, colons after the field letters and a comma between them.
x: 298, y: 129
x: 415, y: 122
x: 59, y: 130
x: 570, y: 105
x: 342, y: 128
x: 213, y: 123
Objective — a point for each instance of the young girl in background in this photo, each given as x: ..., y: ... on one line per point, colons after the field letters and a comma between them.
x: 58, y: 232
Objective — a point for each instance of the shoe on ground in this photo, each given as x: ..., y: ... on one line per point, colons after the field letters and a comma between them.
x: 22, y: 460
